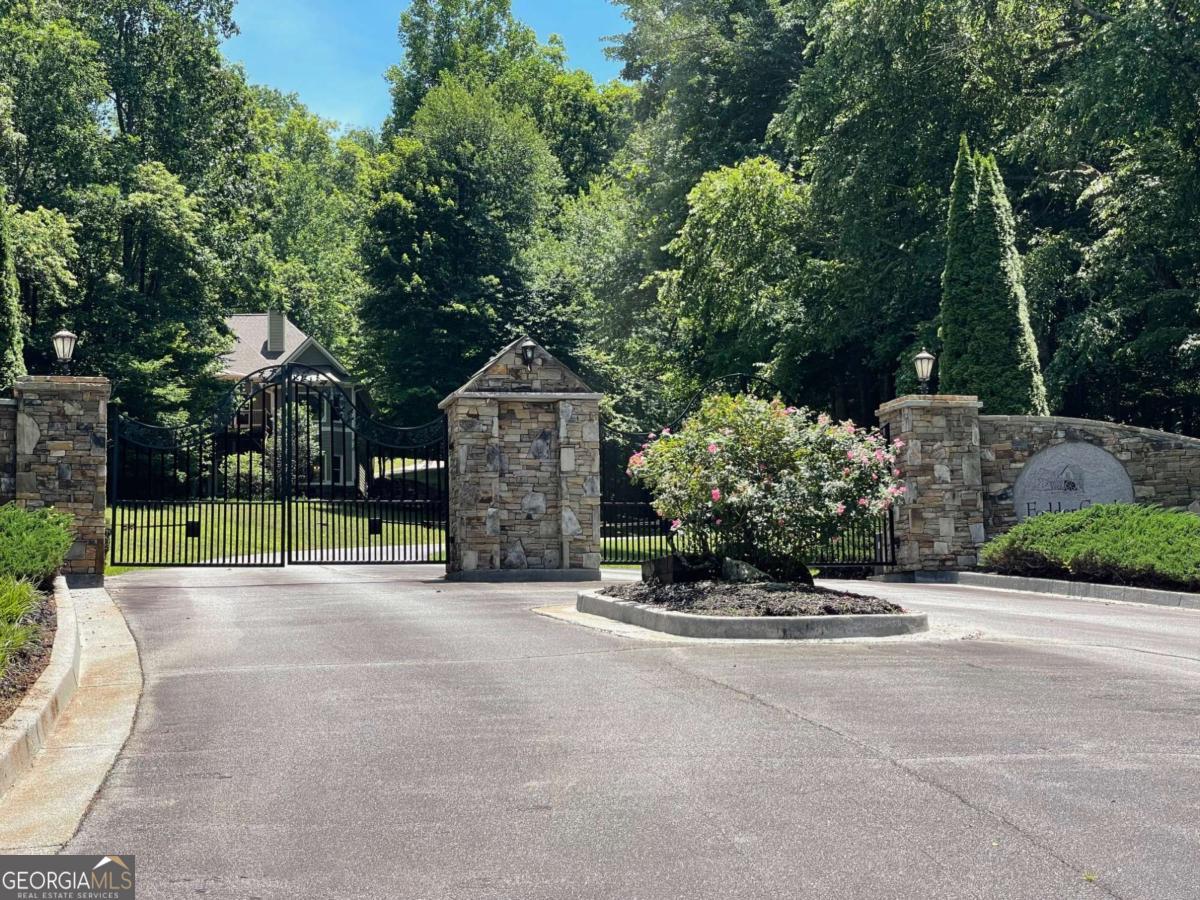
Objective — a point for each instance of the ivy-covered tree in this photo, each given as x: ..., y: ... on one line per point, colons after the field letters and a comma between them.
x: 988, y: 347
x: 12, y: 359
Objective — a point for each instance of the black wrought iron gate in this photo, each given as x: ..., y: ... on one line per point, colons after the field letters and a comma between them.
x: 632, y: 531
x: 293, y: 467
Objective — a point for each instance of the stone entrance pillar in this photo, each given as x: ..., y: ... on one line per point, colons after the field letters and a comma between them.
x: 524, y: 462
x: 61, y: 460
x: 939, y: 521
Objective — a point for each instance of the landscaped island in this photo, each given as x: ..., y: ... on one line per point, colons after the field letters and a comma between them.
x: 751, y: 487
x: 711, y: 598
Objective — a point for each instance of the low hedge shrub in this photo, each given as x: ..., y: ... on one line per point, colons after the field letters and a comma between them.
x: 1113, y: 543
x: 33, y: 542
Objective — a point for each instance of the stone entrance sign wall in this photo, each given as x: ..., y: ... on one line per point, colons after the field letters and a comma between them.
x: 971, y: 477
x: 1070, y: 476
x: 524, y: 471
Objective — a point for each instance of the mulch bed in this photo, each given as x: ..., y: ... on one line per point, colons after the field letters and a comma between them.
x: 25, y: 667
x: 715, y: 598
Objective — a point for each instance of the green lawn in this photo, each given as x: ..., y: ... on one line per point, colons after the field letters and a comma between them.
x: 253, y: 532
x: 156, y: 535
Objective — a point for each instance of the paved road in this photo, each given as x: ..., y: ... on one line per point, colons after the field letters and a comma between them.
x: 373, y: 732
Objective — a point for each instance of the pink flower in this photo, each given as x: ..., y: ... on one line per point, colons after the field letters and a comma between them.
x: 862, y: 501
x: 713, y: 448
x: 850, y: 429
x: 651, y: 435
x: 629, y: 471
x: 823, y: 419
x: 901, y: 490
x: 845, y: 471
x: 676, y: 524
x: 791, y: 410
x: 896, y: 472
x: 666, y: 431
x: 716, y: 521
x: 880, y: 456
x: 841, y: 509
x: 716, y: 494
x: 636, y: 460
x: 898, y: 444
x: 850, y: 454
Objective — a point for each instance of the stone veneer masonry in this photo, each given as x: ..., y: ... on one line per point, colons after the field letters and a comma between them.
x: 939, y: 521
x: 53, y: 438
x: 524, y: 469
x: 960, y: 469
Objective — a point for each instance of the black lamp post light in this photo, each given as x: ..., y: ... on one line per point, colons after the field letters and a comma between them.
x: 923, y: 362
x: 64, y: 349
x: 528, y: 353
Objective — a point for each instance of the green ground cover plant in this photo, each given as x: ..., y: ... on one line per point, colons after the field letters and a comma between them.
x: 1113, y: 543
x: 33, y: 546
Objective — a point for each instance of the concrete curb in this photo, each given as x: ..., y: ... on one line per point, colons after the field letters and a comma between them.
x: 28, y: 729
x: 1077, y: 589
x: 765, y: 628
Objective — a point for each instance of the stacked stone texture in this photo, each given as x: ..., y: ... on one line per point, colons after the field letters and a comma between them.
x: 1164, y: 468
x: 8, y: 437
x: 525, y: 468
x: 61, y: 432
x: 939, y: 521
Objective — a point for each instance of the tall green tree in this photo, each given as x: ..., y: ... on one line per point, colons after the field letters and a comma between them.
x: 988, y: 347
x: 12, y: 359
x: 466, y: 38
x: 457, y: 205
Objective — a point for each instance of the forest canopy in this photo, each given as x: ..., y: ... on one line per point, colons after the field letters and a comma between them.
x: 766, y: 189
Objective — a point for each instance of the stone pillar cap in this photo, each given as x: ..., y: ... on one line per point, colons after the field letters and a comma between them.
x: 926, y: 401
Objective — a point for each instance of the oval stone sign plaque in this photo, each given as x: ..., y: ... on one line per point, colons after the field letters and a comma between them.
x: 1070, y: 476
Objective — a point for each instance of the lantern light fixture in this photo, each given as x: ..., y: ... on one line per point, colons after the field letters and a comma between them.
x: 923, y: 362
x: 528, y: 353
x: 64, y: 348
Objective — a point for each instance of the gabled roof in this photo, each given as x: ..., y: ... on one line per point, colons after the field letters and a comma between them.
x: 249, y: 353
x: 506, y: 372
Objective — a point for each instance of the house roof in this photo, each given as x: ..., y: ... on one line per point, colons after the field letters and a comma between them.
x: 249, y: 353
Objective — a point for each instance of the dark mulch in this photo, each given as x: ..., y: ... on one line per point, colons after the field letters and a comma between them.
x: 715, y: 598
x: 25, y: 667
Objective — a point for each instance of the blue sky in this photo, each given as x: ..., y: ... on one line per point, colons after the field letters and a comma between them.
x: 333, y: 52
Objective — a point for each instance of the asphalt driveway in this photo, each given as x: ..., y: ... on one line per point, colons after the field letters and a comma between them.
x: 375, y: 732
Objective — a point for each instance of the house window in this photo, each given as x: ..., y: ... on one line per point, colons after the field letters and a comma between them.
x: 335, y: 468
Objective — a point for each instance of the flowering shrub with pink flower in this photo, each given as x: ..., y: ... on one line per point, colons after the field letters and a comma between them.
x: 756, y: 480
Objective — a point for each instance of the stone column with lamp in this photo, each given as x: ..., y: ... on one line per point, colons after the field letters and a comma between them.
x: 61, y: 456
x: 939, y: 520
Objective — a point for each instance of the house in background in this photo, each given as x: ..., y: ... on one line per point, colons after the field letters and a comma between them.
x: 322, y: 386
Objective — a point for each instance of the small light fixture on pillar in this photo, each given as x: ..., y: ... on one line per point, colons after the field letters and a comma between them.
x: 64, y: 349
x: 923, y: 362
x: 528, y: 353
